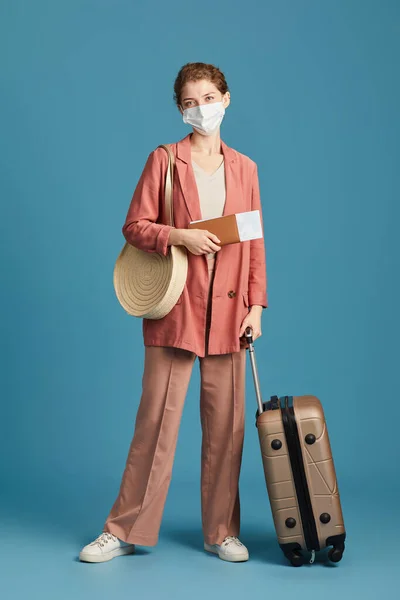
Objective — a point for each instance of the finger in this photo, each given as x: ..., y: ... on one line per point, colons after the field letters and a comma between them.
x: 213, y: 247
x: 242, y: 328
x: 214, y: 238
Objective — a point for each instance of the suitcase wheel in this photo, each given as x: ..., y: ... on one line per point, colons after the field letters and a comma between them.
x: 296, y: 558
x: 335, y: 555
x: 337, y: 542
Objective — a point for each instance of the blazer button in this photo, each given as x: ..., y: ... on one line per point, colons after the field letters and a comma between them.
x: 231, y: 294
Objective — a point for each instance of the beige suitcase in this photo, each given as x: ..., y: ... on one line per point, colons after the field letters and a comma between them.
x: 299, y: 473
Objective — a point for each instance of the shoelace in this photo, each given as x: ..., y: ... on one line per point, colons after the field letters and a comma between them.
x: 104, y: 539
x: 231, y: 538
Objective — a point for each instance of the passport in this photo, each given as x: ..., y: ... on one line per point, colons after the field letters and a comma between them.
x: 231, y: 229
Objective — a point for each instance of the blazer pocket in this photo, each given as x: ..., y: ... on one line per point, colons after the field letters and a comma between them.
x: 245, y: 298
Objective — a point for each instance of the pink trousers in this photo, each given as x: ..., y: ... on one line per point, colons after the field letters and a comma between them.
x: 136, y: 514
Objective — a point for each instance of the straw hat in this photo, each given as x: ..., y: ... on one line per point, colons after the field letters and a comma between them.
x: 148, y: 284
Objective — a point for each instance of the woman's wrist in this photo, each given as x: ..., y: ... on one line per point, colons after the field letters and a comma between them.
x: 256, y: 308
x: 175, y: 237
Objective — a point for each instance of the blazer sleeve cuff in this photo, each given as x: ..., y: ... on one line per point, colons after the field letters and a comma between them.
x: 162, y: 239
x: 260, y: 298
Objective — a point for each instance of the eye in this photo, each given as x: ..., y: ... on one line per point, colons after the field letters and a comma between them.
x: 212, y: 97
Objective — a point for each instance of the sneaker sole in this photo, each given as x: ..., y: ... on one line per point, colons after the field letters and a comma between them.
x: 84, y: 557
x: 238, y: 558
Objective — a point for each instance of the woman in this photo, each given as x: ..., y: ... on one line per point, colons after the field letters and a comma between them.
x: 225, y: 292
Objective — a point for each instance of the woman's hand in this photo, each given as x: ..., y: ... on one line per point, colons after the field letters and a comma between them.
x: 199, y: 241
x: 253, y: 320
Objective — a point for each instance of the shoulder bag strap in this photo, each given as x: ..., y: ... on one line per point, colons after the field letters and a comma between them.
x: 169, y: 178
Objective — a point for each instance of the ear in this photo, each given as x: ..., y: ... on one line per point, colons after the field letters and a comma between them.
x: 226, y: 99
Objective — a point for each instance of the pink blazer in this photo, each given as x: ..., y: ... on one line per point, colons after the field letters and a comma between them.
x: 240, y: 278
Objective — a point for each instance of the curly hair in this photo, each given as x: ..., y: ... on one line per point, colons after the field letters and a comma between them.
x: 195, y: 71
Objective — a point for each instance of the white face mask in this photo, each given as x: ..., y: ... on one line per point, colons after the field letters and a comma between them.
x: 205, y: 118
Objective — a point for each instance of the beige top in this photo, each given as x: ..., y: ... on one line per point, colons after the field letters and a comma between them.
x: 212, y: 193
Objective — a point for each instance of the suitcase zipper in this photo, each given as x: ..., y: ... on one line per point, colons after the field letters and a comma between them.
x: 299, y: 475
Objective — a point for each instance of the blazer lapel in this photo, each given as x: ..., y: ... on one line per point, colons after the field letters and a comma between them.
x: 184, y: 168
x: 232, y: 181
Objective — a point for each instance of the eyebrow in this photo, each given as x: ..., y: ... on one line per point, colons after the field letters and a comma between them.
x: 208, y: 94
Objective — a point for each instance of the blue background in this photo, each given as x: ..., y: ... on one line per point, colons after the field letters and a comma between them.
x: 86, y: 94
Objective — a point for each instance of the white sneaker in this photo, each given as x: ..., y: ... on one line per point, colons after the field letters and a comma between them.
x: 105, y: 547
x: 230, y: 549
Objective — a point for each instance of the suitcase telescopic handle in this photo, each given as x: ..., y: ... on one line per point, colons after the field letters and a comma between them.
x: 249, y: 337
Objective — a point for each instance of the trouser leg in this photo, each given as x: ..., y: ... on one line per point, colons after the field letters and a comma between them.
x: 136, y: 514
x: 222, y: 407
